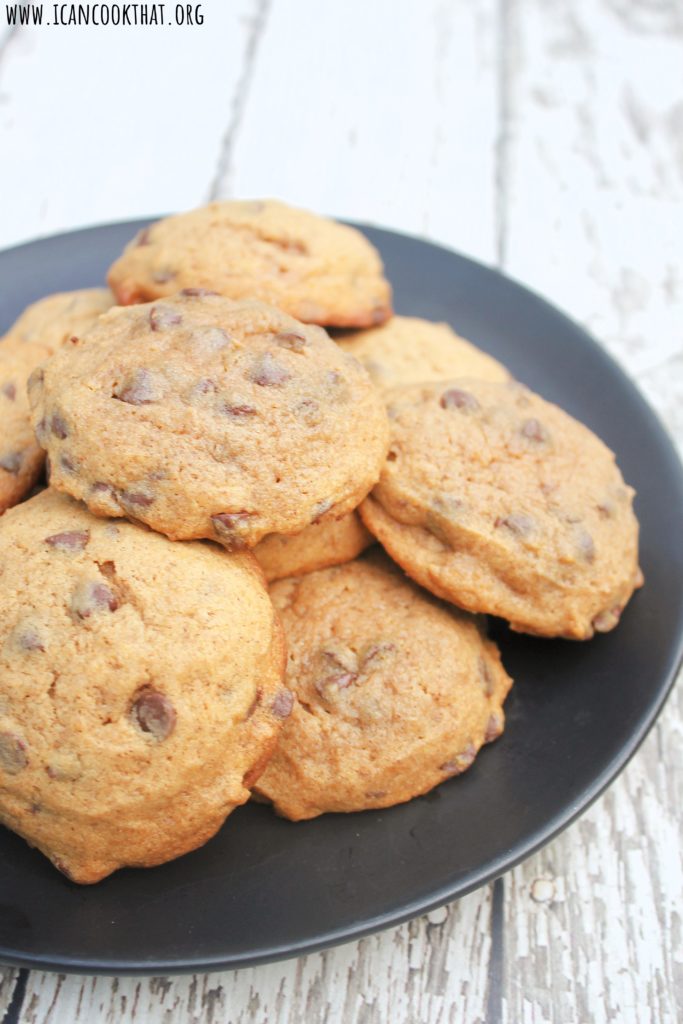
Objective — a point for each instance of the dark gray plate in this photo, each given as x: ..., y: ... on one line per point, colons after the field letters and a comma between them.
x: 266, y: 888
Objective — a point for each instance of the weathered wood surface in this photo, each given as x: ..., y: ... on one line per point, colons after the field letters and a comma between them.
x: 544, y: 135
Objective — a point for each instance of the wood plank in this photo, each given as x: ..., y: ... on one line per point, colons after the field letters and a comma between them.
x: 112, y: 123
x: 592, y: 172
x: 384, y: 112
x: 8, y: 980
x: 594, y: 163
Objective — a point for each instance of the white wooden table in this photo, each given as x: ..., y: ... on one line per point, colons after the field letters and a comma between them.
x: 543, y: 136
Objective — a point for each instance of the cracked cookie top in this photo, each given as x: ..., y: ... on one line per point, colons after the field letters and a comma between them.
x: 203, y: 417
x: 313, y: 268
x: 140, y: 686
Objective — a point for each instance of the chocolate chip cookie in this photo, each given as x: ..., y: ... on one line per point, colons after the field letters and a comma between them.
x: 204, y: 417
x: 140, y: 687
x: 40, y: 330
x: 313, y: 268
x: 407, y: 350
x: 331, y: 542
x: 396, y: 692
x: 499, y: 501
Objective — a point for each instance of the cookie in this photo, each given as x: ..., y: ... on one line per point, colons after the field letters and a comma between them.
x: 21, y: 457
x: 202, y: 417
x: 40, y: 330
x: 332, y: 542
x: 313, y: 268
x: 499, y: 501
x: 407, y: 350
x: 396, y: 692
x: 140, y: 687
x: 49, y: 323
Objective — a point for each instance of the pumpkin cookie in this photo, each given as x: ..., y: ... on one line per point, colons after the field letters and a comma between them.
x: 502, y: 503
x: 407, y: 350
x: 313, y: 268
x: 320, y: 545
x: 203, y: 417
x: 140, y: 687
x: 49, y: 323
x: 41, y: 329
x: 396, y: 691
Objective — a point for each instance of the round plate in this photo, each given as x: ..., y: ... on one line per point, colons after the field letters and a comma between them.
x: 265, y: 888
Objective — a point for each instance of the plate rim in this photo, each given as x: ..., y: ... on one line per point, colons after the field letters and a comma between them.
x: 476, y: 878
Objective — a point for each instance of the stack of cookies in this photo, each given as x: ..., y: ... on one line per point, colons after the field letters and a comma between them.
x: 205, y: 437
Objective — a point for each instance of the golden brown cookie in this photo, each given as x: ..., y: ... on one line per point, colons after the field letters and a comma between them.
x: 140, y: 687
x: 203, y: 417
x: 313, y: 268
x: 332, y: 542
x: 502, y: 503
x: 407, y: 350
x: 40, y: 330
x: 396, y: 691
x: 21, y: 457
x: 50, y: 322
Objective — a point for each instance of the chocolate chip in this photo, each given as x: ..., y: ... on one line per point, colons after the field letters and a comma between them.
x: 13, y: 756
x: 28, y: 639
x: 456, y: 398
x: 36, y: 378
x: 606, y: 509
x: 197, y: 293
x: 268, y: 373
x: 486, y: 677
x: 254, y: 704
x: 138, y: 499
x: 143, y: 237
x: 518, y: 523
x: 154, y: 713
x: 10, y: 391
x: 58, y: 427
x: 283, y: 704
x: 290, y: 340
x: 70, y: 540
x: 460, y: 763
x: 161, y: 317
x: 66, y: 464
x: 205, y: 386
x: 101, y: 488
x: 237, y: 410
x: 494, y: 727
x: 607, y: 620
x: 11, y: 462
x: 227, y: 526
x: 534, y: 430
x: 340, y: 655
x: 139, y: 388
x: 309, y: 411
x: 41, y: 430
x: 376, y: 653
x: 163, y: 276
x: 586, y: 545
x: 338, y: 680
x: 91, y: 598
x: 392, y: 455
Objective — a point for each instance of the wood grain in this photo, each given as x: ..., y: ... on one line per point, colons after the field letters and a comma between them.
x: 114, y: 123
x: 542, y: 134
